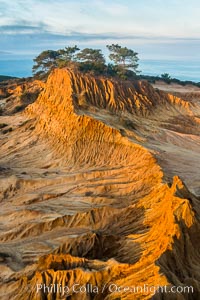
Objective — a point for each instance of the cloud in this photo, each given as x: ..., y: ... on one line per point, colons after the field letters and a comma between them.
x: 4, y: 52
x: 100, y: 16
x: 21, y: 29
x: 152, y: 29
x: 35, y: 41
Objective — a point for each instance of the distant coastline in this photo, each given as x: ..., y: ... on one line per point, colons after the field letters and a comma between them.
x: 3, y: 77
x: 182, y: 70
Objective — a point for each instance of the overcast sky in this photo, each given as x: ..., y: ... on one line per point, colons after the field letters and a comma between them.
x: 156, y: 29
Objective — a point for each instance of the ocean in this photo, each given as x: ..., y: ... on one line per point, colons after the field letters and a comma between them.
x: 180, y: 69
x: 183, y: 70
x: 16, y: 67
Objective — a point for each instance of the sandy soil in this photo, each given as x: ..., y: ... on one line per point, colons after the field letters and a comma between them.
x: 92, y: 182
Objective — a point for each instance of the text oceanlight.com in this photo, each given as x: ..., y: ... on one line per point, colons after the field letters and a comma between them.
x: 111, y: 288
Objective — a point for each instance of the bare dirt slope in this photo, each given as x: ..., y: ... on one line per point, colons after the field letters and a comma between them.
x: 88, y: 193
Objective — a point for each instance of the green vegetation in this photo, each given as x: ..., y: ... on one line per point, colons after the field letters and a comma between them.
x: 7, y: 130
x: 153, y: 79
x: 45, y: 62
x: 123, y: 64
x: 166, y: 77
x: 18, y: 108
x: 123, y: 61
x: 2, y: 125
x: 3, y: 78
x: 91, y: 60
x: 67, y: 56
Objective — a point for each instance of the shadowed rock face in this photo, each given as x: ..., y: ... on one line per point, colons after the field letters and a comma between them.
x: 88, y: 194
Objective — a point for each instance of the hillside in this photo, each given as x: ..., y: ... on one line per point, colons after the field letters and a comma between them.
x: 3, y: 77
x: 99, y: 185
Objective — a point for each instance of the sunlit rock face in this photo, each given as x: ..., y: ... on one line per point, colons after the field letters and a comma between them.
x: 99, y: 189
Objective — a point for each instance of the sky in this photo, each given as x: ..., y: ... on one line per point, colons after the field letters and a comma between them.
x: 156, y: 29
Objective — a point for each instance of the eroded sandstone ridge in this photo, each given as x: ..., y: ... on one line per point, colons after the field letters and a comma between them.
x: 88, y: 194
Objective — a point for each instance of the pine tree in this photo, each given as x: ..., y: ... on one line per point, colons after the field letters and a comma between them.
x: 125, y: 60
